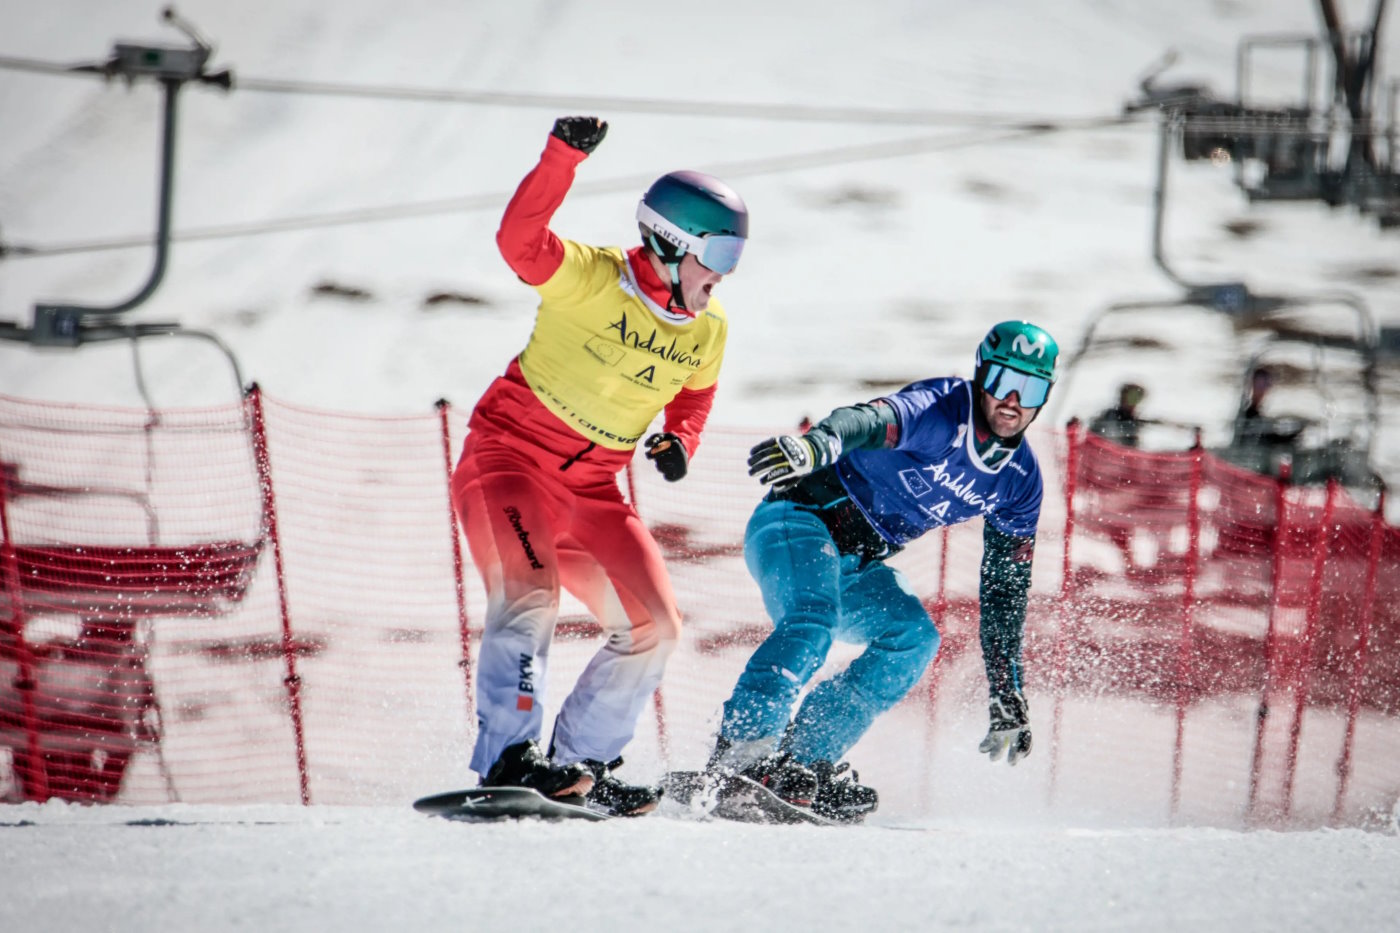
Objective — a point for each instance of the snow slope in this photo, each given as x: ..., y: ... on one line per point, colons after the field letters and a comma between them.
x: 282, y: 868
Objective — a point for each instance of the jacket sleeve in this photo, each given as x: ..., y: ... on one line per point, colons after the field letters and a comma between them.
x: 871, y: 425
x: 686, y: 416
x: 530, y: 248
x: 1004, y: 592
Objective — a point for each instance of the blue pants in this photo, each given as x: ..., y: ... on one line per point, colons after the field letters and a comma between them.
x: 815, y: 595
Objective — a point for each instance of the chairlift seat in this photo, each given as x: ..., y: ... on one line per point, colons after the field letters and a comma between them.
x: 130, y: 582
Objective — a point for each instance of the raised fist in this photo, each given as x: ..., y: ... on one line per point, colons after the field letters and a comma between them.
x: 583, y: 133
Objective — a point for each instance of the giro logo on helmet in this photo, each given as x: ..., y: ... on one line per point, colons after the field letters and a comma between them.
x: 670, y: 236
x: 691, y: 212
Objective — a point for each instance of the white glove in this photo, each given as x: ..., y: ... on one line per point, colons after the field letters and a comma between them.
x: 1010, y: 729
x: 783, y: 460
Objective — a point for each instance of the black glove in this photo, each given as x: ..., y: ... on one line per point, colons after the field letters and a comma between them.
x: 781, y: 461
x: 1010, y: 729
x: 668, y: 453
x: 583, y: 133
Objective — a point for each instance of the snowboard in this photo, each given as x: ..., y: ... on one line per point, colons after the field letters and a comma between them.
x: 480, y: 804
x: 733, y: 797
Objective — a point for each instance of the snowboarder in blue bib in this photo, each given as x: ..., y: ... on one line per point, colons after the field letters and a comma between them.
x: 843, y: 498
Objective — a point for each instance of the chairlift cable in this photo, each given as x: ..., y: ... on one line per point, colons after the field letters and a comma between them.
x: 729, y: 109
x: 659, y: 106
x: 668, y: 107
x: 632, y: 183
x: 9, y: 63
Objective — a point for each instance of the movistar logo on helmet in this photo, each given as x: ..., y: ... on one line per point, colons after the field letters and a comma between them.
x: 1022, y: 346
x: 1025, y: 347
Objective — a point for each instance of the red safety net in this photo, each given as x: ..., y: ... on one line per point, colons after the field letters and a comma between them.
x: 269, y: 603
x: 1256, y: 612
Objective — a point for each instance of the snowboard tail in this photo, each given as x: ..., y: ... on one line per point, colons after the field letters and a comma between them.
x: 733, y: 797
x: 480, y: 804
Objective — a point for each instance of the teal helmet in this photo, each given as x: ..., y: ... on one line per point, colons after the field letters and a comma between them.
x: 1019, y: 356
x: 691, y: 212
x: 699, y: 204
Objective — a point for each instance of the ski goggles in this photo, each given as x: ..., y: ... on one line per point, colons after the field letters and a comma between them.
x: 718, y: 252
x: 1001, y: 381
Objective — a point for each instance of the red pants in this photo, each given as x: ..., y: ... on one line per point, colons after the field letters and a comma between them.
x: 541, y: 508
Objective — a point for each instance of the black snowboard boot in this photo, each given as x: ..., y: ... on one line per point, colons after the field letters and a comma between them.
x: 613, y: 796
x: 779, y: 772
x: 524, y: 765
x: 786, y: 777
x: 842, y: 797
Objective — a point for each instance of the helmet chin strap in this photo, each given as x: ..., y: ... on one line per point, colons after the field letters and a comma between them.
x: 674, y: 265
x: 677, y: 299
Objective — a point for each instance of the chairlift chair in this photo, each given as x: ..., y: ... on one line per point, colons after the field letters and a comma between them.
x: 75, y: 708
x: 1303, y: 451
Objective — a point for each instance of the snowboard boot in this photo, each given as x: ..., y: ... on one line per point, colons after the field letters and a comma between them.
x: 617, y: 798
x: 841, y: 796
x: 778, y: 771
x: 524, y: 765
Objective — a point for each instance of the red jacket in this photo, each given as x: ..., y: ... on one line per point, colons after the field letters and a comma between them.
x: 535, y: 253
